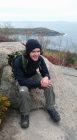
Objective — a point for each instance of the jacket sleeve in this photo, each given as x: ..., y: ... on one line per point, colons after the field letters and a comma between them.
x: 43, y: 68
x: 21, y: 78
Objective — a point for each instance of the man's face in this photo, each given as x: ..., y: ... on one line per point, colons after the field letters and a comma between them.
x: 34, y: 55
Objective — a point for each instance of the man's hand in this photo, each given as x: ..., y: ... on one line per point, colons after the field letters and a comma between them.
x: 45, y: 82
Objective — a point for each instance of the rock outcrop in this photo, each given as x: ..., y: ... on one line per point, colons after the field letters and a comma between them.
x: 41, y: 126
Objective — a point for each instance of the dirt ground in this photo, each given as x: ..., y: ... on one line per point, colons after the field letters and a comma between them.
x: 41, y: 126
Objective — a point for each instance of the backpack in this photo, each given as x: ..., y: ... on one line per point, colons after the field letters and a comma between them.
x: 13, y: 56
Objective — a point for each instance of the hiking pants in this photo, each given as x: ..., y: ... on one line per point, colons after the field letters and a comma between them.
x: 23, y: 97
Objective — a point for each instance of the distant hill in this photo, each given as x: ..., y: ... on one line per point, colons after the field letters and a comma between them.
x: 45, y: 31
x: 32, y: 31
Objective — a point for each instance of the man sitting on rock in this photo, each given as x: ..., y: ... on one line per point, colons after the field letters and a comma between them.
x: 29, y: 78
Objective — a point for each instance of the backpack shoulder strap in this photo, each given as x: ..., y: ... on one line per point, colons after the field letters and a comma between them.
x: 24, y: 63
x: 40, y: 64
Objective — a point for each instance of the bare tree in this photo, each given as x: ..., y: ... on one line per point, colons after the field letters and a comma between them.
x: 44, y: 41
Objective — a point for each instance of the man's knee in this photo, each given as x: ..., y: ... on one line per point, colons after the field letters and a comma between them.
x: 23, y: 89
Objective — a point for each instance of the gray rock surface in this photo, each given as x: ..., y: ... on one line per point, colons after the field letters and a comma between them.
x: 41, y: 126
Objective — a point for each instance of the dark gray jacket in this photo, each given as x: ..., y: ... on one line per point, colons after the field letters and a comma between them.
x: 24, y: 76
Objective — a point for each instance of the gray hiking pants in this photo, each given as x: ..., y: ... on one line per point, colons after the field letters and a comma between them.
x: 23, y: 98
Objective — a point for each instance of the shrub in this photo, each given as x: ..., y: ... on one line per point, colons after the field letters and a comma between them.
x: 70, y: 59
x: 4, y: 104
x: 6, y: 39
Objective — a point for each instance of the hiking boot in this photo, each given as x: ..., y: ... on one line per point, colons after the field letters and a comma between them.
x: 24, y: 121
x: 54, y: 114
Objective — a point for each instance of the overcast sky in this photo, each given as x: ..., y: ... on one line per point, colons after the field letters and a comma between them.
x: 38, y: 10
